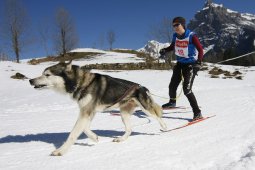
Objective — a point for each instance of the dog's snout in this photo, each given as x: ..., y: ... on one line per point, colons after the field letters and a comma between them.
x: 31, y: 81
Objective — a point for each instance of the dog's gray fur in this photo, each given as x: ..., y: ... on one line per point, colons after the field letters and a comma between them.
x: 96, y: 93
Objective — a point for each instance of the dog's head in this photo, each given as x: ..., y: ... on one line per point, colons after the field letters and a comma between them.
x: 61, y: 77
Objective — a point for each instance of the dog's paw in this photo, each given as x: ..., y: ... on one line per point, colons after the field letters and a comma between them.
x: 164, y: 128
x: 95, y: 139
x: 118, y: 140
x: 57, y: 153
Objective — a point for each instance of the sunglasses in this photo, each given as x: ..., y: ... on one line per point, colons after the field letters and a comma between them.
x: 176, y: 25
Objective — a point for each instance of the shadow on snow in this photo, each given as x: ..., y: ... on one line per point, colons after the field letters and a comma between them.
x: 58, y: 138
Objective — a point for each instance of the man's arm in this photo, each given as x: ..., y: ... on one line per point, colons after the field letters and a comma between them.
x: 199, y: 47
x: 171, y: 47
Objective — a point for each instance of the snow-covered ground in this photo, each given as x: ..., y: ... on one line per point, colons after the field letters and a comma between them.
x: 107, y: 57
x: 34, y: 122
x: 102, y: 57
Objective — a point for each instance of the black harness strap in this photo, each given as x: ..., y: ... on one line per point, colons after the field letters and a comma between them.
x: 133, y: 87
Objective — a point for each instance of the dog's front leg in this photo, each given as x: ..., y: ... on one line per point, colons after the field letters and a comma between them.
x: 75, y: 133
x: 87, y: 130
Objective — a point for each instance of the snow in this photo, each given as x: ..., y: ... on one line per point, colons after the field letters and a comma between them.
x: 205, y: 8
x: 201, y: 24
x: 249, y: 23
x: 248, y: 16
x: 106, y: 57
x: 102, y: 57
x: 231, y: 26
x: 207, y: 49
x: 212, y: 5
x: 231, y: 11
x: 217, y: 5
x: 88, y: 50
x: 34, y: 122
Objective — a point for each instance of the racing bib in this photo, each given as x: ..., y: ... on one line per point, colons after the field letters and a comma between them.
x: 182, y: 47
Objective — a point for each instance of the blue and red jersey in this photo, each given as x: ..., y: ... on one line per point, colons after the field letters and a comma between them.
x: 187, y: 47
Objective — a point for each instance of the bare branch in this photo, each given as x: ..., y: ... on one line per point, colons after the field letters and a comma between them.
x: 162, y: 31
x: 66, y: 37
x: 111, y: 38
x: 15, y: 26
x: 45, y: 34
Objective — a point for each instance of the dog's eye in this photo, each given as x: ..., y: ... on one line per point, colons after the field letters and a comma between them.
x: 47, y: 75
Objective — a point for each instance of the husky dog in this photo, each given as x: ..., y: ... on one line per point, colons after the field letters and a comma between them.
x: 96, y: 93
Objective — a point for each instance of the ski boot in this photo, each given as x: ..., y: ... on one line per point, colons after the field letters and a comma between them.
x: 197, y: 116
x: 169, y: 105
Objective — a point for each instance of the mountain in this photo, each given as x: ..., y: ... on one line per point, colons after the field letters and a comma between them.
x: 232, y: 33
x: 153, y: 47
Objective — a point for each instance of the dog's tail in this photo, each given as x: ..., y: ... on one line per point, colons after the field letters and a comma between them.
x: 146, y: 101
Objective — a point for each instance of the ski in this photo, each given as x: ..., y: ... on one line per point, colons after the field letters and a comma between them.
x: 188, y: 124
x: 176, y: 107
x: 117, y: 112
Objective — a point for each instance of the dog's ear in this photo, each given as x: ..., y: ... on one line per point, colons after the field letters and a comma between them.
x: 69, y: 66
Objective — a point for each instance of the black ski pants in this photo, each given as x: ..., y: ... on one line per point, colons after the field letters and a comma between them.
x: 186, y: 71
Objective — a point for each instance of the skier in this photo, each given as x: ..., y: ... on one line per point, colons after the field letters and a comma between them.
x: 189, y: 53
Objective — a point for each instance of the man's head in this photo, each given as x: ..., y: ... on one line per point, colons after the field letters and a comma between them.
x: 179, y: 25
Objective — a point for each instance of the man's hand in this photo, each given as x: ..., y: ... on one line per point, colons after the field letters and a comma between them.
x: 197, y: 66
x: 162, y: 51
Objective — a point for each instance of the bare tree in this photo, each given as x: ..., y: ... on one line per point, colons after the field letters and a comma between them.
x: 101, y: 40
x: 15, y: 26
x: 3, y: 57
x: 66, y: 37
x: 162, y: 31
x: 45, y: 32
x: 111, y: 38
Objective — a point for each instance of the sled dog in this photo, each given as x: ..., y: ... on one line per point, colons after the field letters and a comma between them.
x: 96, y: 93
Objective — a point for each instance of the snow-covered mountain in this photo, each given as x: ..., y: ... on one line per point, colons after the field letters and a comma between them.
x: 153, y: 47
x: 224, y: 28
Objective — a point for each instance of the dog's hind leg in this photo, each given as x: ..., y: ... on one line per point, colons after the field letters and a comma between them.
x: 126, y: 110
x: 75, y: 133
x: 149, y: 107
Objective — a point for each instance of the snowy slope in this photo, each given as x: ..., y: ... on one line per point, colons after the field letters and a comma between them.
x: 103, y: 57
x: 107, y: 57
x: 34, y: 122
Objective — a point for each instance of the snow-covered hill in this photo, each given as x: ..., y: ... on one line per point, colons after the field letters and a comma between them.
x: 33, y: 123
x: 107, y: 57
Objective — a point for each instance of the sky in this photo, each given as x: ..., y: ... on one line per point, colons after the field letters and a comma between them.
x: 131, y: 20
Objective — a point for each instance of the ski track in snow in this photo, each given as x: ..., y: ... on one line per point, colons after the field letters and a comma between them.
x: 34, y: 122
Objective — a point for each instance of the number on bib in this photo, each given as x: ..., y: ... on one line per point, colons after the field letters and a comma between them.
x: 181, y: 53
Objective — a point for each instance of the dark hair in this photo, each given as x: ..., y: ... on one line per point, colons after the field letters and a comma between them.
x: 180, y: 20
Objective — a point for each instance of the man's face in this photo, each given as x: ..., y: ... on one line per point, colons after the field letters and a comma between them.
x: 178, y: 28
